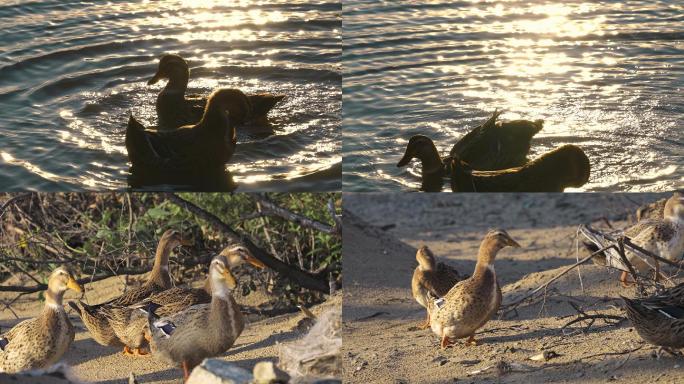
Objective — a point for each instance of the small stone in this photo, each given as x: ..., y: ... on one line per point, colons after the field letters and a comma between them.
x: 213, y: 371
x: 266, y: 372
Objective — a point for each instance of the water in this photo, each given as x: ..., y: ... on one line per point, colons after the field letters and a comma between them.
x: 604, y: 75
x: 70, y: 72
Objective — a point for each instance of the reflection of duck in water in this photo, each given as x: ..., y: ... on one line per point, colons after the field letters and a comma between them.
x: 490, y: 146
x: 174, y: 109
x: 207, y: 145
x: 554, y: 171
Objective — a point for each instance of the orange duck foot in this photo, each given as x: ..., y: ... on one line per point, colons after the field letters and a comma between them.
x: 471, y: 341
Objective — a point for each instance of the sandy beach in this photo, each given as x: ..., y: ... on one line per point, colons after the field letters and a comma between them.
x: 92, y: 362
x: 382, y: 344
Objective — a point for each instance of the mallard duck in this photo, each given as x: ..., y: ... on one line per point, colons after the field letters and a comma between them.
x: 174, y: 109
x: 554, y: 171
x: 202, y: 330
x: 205, y: 146
x: 104, y: 321
x: 431, y: 280
x: 663, y: 237
x: 490, y: 146
x: 659, y: 319
x: 133, y: 322
x: 471, y: 302
x: 41, y: 342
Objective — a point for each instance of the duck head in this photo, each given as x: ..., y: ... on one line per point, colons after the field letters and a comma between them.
x: 422, y: 148
x: 59, y: 281
x: 425, y: 258
x: 238, y: 255
x: 221, y: 279
x: 674, y: 207
x: 493, y: 242
x: 232, y: 100
x: 171, y: 67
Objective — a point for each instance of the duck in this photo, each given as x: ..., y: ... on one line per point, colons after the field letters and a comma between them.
x: 202, y: 330
x: 490, y: 146
x: 134, y: 322
x: 431, y: 280
x: 659, y: 319
x: 663, y: 237
x: 652, y: 211
x: 41, y: 342
x: 205, y: 146
x: 104, y: 322
x: 563, y: 167
x: 175, y: 110
x: 471, y: 302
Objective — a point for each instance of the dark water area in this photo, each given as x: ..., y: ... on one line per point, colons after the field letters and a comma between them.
x: 604, y: 75
x: 71, y: 72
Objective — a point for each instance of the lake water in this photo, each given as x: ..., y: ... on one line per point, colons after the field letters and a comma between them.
x: 604, y: 75
x: 70, y: 72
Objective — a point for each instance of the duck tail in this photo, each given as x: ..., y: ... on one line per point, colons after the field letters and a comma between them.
x: 538, y: 124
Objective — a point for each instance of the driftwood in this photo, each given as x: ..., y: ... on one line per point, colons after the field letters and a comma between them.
x: 270, y: 208
x: 305, y: 279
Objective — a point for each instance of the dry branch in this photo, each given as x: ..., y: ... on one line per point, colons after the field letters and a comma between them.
x: 270, y: 208
x: 302, y: 278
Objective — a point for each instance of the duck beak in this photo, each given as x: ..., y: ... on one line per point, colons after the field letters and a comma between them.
x: 513, y: 243
x: 155, y: 79
x: 408, y: 156
x: 74, y: 285
x: 255, y: 262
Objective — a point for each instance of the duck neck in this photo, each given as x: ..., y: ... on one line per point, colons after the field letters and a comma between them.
x: 53, y: 300
x: 432, y: 163
x: 160, y: 270
x: 178, y: 81
x: 216, y: 118
x: 485, y: 258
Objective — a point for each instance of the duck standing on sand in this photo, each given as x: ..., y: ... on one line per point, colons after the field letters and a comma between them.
x: 41, y: 342
x: 187, y: 337
x: 104, y: 321
x: 659, y: 319
x: 203, y: 147
x: 554, y: 171
x: 663, y: 237
x: 174, y: 109
x: 431, y: 280
x: 471, y: 302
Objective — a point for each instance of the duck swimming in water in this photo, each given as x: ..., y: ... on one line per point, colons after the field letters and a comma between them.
x: 554, y: 171
x: 205, y: 146
x: 490, y: 146
x: 174, y: 109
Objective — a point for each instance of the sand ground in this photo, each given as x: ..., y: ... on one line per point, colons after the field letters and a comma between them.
x: 382, y: 345
x: 95, y: 363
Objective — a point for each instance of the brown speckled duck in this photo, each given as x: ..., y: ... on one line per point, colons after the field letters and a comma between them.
x: 103, y: 320
x: 431, y: 280
x: 490, y: 146
x: 663, y: 237
x: 200, y: 331
x: 177, y: 299
x: 659, y: 319
x: 41, y: 342
x: 205, y: 146
x: 472, y: 302
x: 174, y: 109
x: 553, y: 171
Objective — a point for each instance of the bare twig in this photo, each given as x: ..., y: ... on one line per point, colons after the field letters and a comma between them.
x: 270, y: 207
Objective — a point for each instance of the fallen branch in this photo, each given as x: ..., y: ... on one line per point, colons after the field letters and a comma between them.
x: 269, y: 207
x: 558, y: 276
x: 42, y: 287
x: 592, y: 318
x: 302, y: 278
